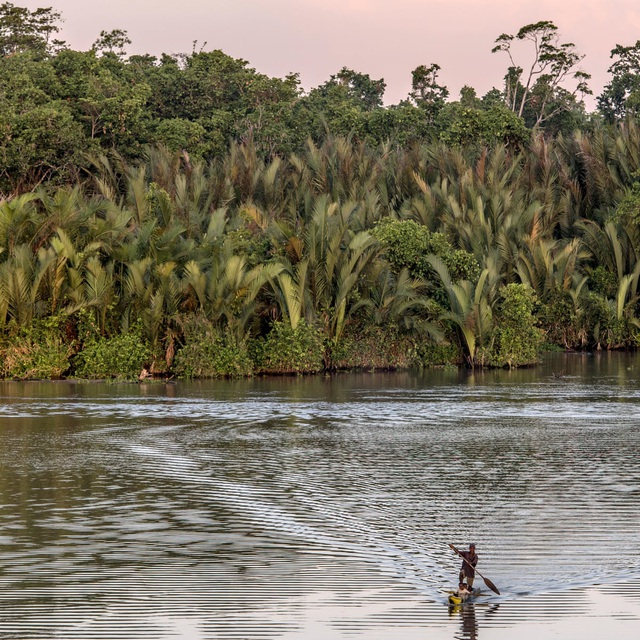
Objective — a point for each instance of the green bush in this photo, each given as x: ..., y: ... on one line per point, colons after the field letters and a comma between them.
x: 178, y: 134
x: 121, y: 356
x: 603, y: 281
x: 37, y: 352
x: 463, y: 125
x: 517, y: 341
x: 562, y: 322
x: 408, y: 245
x: 607, y: 330
x: 209, y: 352
x: 375, y: 347
x: 433, y: 354
x: 285, y: 350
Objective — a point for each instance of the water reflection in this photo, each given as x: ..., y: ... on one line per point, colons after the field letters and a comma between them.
x: 466, y: 613
x: 321, y: 507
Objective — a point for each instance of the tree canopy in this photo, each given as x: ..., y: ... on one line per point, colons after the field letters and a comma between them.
x: 58, y: 104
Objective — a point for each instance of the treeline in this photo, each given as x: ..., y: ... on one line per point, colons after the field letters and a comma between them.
x: 191, y: 217
x: 58, y: 105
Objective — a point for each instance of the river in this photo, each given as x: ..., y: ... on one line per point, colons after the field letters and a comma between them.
x: 322, y: 507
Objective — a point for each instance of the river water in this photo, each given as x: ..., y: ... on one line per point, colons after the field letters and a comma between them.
x: 322, y: 507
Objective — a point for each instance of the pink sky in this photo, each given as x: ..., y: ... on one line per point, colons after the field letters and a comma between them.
x: 384, y: 38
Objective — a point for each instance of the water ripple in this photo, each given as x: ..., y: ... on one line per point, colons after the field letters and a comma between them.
x: 321, y: 508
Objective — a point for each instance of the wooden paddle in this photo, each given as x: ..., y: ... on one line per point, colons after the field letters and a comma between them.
x: 486, y: 580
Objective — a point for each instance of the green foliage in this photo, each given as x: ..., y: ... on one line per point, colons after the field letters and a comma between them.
x: 603, y: 282
x: 426, y: 92
x: 209, y: 352
x: 38, y: 143
x: 468, y: 311
x: 122, y: 356
x: 375, y: 347
x: 435, y: 354
x: 607, y: 329
x: 38, y: 351
x: 562, y: 321
x: 460, y: 125
x: 621, y: 96
x: 61, y: 103
x: 24, y: 30
x: 516, y: 306
x: 317, y: 237
x: 517, y: 341
x: 403, y: 124
x: 112, y: 42
x: 287, y: 350
x: 360, y: 88
x: 39, y: 137
x: 263, y: 211
x: 629, y: 207
x: 409, y: 245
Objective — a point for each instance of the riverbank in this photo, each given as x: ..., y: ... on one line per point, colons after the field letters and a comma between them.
x: 208, y: 353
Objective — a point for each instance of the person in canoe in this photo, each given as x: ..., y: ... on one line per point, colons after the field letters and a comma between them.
x: 468, y: 568
x: 458, y: 597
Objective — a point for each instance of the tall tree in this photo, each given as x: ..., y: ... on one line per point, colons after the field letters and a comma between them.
x: 113, y: 42
x: 621, y: 96
x: 425, y: 90
x: 540, y: 86
x: 24, y: 30
x: 361, y: 87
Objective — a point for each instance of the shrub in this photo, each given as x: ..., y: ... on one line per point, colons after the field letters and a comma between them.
x: 209, y: 352
x: 433, y: 354
x: 409, y: 245
x: 375, y: 347
x: 517, y: 340
x: 121, y: 356
x: 37, y: 352
x: 607, y: 329
x: 287, y: 350
x: 562, y: 322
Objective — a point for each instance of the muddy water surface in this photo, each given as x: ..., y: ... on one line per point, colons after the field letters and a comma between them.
x: 321, y: 508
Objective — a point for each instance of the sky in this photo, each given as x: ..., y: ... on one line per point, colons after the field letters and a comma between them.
x: 383, y: 38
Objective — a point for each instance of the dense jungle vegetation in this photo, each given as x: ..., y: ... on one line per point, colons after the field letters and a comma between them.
x: 193, y: 217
